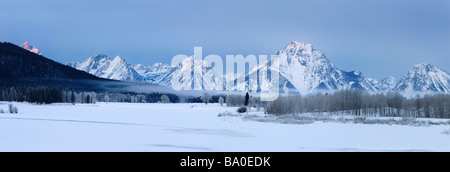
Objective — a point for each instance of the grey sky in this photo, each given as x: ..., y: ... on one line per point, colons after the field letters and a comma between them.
x: 379, y: 38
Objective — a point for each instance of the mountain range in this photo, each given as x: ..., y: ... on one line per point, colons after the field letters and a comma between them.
x: 159, y: 73
x: 105, y: 67
x: 302, y: 69
x: 22, y: 67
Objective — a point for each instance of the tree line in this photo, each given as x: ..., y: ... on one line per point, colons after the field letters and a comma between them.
x: 48, y: 95
x: 362, y: 103
x: 237, y: 100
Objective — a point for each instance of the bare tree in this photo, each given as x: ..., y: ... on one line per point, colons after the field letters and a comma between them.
x: 221, y: 101
x: 16, y: 110
x: 93, y: 98
x: 72, y: 98
x: 13, y: 109
x: 361, y: 103
x: 206, y: 98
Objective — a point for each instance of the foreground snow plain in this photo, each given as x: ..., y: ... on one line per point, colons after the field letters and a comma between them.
x: 194, y: 127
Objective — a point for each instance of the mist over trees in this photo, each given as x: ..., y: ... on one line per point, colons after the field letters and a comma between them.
x: 221, y: 101
x: 47, y: 95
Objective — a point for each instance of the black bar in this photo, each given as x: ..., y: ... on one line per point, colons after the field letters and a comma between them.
x: 172, y: 161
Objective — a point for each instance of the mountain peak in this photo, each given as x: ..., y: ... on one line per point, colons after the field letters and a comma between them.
x: 158, y: 66
x: 105, y: 67
x: 193, y: 61
x: 119, y: 58
x: 425, y: 66
x: 139, y: 66
x: 425, y: 77
x: 388, y: 84
x: 30, y: 48
x: 148, y: 71
x: 389, y: 78
x: 26, y: 45
x: 99, y: 57
x: 294, y: 45
x: 357, y: 72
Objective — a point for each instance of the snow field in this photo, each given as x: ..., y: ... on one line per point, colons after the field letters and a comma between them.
x: 195, y: 127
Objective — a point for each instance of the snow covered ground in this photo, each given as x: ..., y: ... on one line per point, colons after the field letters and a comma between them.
x: 194, y: 127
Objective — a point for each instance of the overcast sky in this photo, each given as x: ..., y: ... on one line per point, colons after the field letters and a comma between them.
x: 377, y: 37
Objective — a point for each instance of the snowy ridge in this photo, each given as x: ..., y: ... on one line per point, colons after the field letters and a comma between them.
x: 307, y: 70
x: 105, y: 67
x: 152, y: 74
x: 189, y: 74
x: 148, y: 70
x: 30, y: 48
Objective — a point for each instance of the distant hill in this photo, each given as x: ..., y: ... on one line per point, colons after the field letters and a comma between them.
x: 20, y: 67
x: 18, y: 63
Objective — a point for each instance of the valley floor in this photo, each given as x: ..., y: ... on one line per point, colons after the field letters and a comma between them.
x: 195, y: 127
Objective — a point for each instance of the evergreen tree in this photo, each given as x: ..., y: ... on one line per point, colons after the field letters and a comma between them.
x: 247, y: 98
x: 88, y: 99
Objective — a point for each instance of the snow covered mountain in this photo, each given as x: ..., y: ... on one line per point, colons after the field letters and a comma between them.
x: 156, y: 68
x: 30, y: 48
x: 308, y: 70
x: 105, y: 67
x: 302, y: 69
x: 425, y: 77
x: 152, y: 73
x: 189, y: 74
x: 374, y: 82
